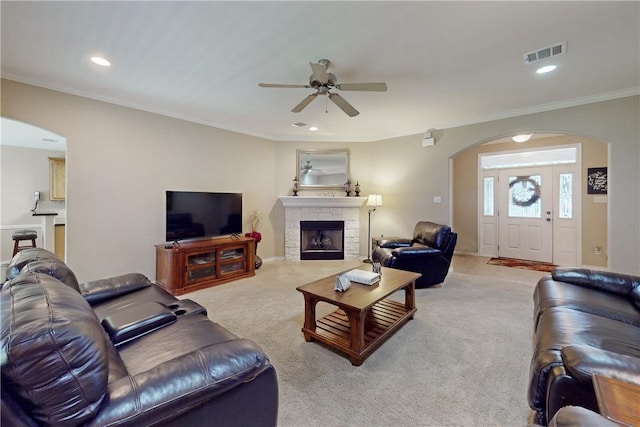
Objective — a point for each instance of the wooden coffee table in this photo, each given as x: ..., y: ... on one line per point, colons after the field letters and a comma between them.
x: 365, y: 317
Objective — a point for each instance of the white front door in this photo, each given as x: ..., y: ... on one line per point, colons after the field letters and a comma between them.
x: 526, y: 213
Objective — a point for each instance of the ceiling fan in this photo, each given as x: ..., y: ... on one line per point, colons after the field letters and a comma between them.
x: 323, y: 82
x: 306, y: 168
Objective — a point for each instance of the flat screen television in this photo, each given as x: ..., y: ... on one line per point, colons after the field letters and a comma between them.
x: 194, y: 214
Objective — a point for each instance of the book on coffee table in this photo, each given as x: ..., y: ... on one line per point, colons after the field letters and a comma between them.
x: 362, y: 276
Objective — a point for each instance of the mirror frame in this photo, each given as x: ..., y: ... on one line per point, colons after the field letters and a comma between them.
x: 300, y: 153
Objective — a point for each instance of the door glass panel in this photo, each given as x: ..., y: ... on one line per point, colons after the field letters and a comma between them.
x: 488, y: 196
x: 554, y: 156
x: 524, y: 196
x: 566, y: 196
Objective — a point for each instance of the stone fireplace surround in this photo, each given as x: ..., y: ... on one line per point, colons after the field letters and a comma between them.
x: 306, y: 208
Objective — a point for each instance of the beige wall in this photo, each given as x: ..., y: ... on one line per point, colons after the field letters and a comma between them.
x: 399, y: 169
x: 120, y: 161
x: 594, y: 211
x: 465, y: 182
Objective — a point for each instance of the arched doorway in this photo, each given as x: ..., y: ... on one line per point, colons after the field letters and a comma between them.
x: 26, y: 153
x: 590, y: 234
x: 527, y: 204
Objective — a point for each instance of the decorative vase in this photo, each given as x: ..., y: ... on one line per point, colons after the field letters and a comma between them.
x: 258, y: 260
x: 255, y: 235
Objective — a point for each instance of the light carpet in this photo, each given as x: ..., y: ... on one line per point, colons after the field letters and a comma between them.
x: 462, y: 361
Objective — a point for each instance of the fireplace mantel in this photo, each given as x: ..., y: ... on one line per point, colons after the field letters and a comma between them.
x: 321, y: 202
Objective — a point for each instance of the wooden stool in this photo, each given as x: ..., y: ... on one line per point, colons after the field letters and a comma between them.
x: 22, y: 235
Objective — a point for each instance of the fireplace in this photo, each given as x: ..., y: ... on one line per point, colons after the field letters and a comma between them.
x: 321, y: 240
x: 345, y: 209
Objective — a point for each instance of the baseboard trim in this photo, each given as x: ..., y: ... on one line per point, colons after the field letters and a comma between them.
x: 465, y: 253
x: 595, y: 267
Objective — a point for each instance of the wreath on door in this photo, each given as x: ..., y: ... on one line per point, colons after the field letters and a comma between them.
x: 528, y: 194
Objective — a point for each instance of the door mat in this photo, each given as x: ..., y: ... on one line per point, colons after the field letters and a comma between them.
x: 523, y: 264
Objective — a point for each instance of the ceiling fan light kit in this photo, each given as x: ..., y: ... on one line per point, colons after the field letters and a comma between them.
x: 323, y: 81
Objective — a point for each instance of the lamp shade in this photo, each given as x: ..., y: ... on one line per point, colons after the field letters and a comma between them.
x: 374, y: 200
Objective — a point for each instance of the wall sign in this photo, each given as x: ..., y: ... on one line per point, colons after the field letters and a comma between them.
x: 597, y: 181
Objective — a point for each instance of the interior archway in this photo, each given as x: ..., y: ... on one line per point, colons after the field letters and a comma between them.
x: 594, y: 228
x: 26, y: 150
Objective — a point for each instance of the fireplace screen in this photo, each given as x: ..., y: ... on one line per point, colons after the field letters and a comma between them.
x: 321, y: 240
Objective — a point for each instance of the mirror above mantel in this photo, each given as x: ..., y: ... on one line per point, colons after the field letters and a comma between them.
x: 322, y: 169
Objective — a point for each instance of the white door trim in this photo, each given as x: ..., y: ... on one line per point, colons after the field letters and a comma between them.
x: 576, y: 168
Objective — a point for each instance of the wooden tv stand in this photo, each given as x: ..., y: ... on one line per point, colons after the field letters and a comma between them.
x: 190, y: 265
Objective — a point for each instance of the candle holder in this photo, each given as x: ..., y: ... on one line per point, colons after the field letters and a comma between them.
x: 347, y: 188
x: 296, y: 186
x: 357, y: 189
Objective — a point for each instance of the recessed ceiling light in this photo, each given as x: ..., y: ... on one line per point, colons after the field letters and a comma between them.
x: 522, y: 137
x: 546, y: 69
x: 313, y: 128
x: 298, y: 125
x: 100, y: 61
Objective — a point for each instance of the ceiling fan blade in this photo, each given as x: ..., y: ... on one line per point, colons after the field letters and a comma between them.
x: 370, y: 87
x: 343, y: 104
x: 319, y: 72
x: 281, y: 85
x: 304, y: 103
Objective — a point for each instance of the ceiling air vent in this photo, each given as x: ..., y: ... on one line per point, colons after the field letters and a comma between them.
x: 547, y: 52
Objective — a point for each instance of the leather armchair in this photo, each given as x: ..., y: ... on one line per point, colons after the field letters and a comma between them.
x: 428, y: 252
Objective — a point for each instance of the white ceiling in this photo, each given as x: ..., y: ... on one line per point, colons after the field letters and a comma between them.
x: 445, y: 63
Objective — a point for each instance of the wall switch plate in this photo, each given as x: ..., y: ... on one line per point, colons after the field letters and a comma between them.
x: 437, y: 199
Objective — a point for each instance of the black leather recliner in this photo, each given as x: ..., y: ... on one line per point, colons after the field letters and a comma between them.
x: 429, y: 252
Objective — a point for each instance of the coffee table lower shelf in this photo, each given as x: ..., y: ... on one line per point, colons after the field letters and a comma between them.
x: 380, y: 322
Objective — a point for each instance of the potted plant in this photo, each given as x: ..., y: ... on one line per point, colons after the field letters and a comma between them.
x: 255, y: 221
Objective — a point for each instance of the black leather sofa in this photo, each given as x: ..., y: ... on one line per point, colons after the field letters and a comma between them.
x: 121, y: 352
x: 585, y: 322
x: 428, y: 252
